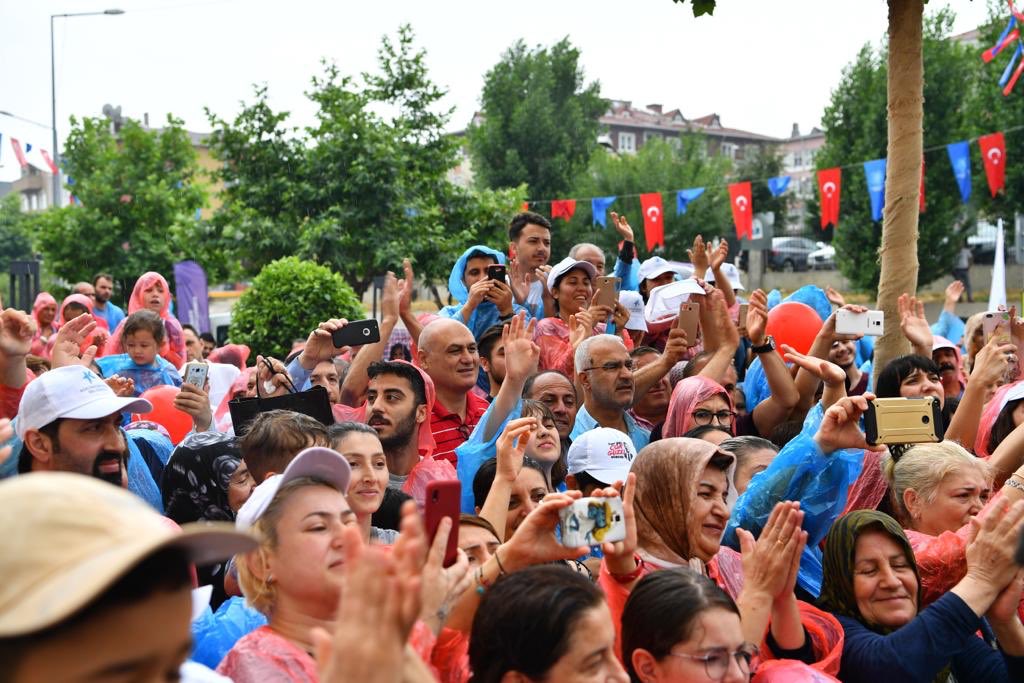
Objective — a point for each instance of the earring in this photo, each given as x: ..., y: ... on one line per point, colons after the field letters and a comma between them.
x: 270, y: 579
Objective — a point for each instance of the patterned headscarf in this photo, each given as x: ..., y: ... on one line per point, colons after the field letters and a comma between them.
x: 838, y: 561
x: 195, y: 481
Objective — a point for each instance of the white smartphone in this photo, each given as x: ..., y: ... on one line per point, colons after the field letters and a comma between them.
x: 592, y: 521
x: 195, y: 373
x: 869, y: 323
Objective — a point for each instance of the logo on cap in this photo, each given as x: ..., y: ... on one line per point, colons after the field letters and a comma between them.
x: 618, y: 449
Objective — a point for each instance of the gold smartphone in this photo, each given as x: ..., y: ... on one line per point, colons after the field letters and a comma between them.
x: 608, y: 291
x: 903, y: 420
x: 689, y: 321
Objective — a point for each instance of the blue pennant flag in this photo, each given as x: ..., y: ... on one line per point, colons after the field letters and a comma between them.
x: 960, y: 158
x: 599, y: 207
x: 778, y: 185
x: 684, y: 197
x: 875, y: 173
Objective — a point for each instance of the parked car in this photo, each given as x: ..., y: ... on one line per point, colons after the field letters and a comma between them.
x: 790, y: 253
x: 822, y: 259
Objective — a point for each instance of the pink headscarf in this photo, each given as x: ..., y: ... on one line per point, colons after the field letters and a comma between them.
x: 43, y: 299
x: 173, y: 348
x: 989, y: 416
x: 41, y: 336
x: 98, y: 336
x: 687, y: 395
x: 222, y: 416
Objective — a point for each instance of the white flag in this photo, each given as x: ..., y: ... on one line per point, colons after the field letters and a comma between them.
x: 997, y: 295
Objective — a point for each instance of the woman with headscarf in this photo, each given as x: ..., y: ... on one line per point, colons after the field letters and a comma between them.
x: 872, y: 586
x: 681, y: 505
x: 44, y: 311
x: 152, y: 292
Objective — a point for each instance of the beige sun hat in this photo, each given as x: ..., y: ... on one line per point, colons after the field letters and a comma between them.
x: 68, y: 537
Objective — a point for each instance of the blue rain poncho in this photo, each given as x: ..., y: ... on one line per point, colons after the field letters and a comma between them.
x: 486, y: 314
x: 477, y: 450
x: 800, y: 472
x: 145, y: 376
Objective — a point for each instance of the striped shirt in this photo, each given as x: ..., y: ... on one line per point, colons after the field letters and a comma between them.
x: 451, y: 431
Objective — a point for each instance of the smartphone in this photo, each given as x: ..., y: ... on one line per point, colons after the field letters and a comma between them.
x: 741, y: 320
x: 996, y: 324
x: 607, y: 288
x: 195, y: 373
x: 496, y: 271
x: 868, y: 323
x: 689, y: 321
x: 592, y: 521
x: 443, y: 500
x: 903, y: 420
x: 357, y: 333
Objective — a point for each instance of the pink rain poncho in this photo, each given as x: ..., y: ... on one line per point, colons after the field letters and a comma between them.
x: 173, y: 348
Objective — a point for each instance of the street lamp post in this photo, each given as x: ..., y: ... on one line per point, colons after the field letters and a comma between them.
x: 53, y: 91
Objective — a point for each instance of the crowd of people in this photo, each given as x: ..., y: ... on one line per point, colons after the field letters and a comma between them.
x: 762, y: 536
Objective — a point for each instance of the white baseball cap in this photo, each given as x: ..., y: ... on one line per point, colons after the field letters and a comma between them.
x: 567, y: 264
x: 317, y: 462
x: 731, y: 273
x: 634, y: 303
x: 663, y: 302
x: 74, y: 392
x: 605, y: 454
x: 655, y: 266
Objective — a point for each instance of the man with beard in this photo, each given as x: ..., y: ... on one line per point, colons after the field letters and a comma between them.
x: 605, y: 372
x: 69, y: 420
x: 448, y: 354
x: 103, y: 286
x: 947, y: 356
x: 396, y: 408
x: 844, y: 354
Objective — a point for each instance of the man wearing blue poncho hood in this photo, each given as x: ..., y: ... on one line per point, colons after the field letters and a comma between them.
x: 483, y: 302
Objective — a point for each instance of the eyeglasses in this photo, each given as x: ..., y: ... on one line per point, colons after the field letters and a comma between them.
x: 716, y: 663
x: 612, y: 366
x: 722, y: 417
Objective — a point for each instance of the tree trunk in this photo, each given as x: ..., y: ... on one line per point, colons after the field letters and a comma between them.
x: 898, y: 252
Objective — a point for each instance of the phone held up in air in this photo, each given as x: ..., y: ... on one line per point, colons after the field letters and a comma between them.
x: 443, y: 500
x: 195, y: 373
x: 689, y: 321
x: 607, y: 288
x: 868, y: 323
x: 496, y: 271
x: 357, y: 333
x: 592, y: 521
x: 741, y: 319
x: 903, y: 420
x: 996, y: 324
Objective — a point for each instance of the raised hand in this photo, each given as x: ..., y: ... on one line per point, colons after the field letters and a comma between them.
x: 511, y: 447
x: 621, y: 226
x: 991, y: 544
x: 195, y: 402
x: 993, y: 361
x: 914, y: 323
x: 442, y: 585
x: 757, y: 317
x: 827, y: 371
x: 390, y: 298
x: 717, y: 256
x: 269, y: 383
x: 834, y: 297
x: 405, y: 287
x: 521, y: 353
x: 841, y: 427
x: 620, y: 555
x: 500, y: 295
x: 581, y: 326
x: 320, y: 345
x: 768, y: 562
x: 698, y: 257
x: 954, y: 290
x: 67, y: 348
x: 16, y: 331
x: 534, y: 542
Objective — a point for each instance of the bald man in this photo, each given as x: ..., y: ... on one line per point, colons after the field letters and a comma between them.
x: 448, y: 353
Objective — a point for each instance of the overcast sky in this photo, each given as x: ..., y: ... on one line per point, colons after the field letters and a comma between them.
x: 760, y: 65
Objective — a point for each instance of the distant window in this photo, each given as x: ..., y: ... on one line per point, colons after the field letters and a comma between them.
x: 627, y: 142
x: 650, y: 136
x: 675, y: 141
x: 728, y: 150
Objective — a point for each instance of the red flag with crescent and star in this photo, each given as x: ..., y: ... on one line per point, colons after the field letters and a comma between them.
x: 829, y: 186
x: 742, y: 209
x: 993, y: 153
x: 654, y: 219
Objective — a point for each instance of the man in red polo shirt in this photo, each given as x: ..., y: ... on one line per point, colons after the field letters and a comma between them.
x: 448, y: 353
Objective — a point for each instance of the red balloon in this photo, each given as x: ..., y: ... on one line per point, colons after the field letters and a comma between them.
x: 176, y: 422
x: 795, y: 324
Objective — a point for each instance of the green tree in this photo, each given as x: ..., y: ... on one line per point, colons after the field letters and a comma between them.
x: 14, y: 242
x: 139, y: 192
x: 360, y: 189
x: 539, y: 122
x: 856, y: 122
x: 287, y: 299
x: 658, y: 166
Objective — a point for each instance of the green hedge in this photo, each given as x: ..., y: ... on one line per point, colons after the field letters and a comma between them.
x: 287, y: 300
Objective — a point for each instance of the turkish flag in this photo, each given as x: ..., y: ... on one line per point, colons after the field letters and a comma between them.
x: 742, y: 210
x: 993, y: 153
x: 654, y: 219
x: 19, y: 153
x: 829, y: 186
x: 563, y: 208
x: 920, y: 203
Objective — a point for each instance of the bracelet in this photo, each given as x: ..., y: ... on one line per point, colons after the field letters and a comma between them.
x: 482, y: 584
x: 501, y: 568
x: 1014, y: 484
x: 632, y: 576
